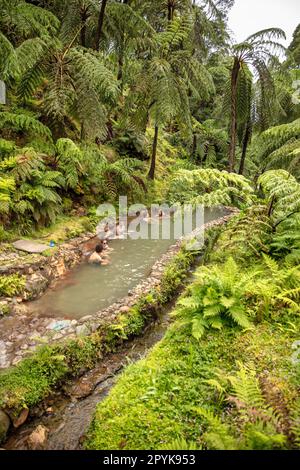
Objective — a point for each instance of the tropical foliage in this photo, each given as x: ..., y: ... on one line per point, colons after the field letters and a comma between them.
x: 154, y: 100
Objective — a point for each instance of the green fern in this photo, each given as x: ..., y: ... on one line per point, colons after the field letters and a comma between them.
x: 24, y: 123
x: 257, y: 425
x: 217, y: 298
x: 279, y: 146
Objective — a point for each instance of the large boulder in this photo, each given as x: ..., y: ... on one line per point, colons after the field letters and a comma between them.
x: 35, y: 285
x: 37, y: 439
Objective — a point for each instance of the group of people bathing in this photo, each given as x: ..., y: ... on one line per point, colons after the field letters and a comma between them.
x: 116, y: 231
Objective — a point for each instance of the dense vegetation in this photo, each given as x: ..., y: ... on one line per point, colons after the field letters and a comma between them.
x: 153, y: 99
x: 226, y: 376
x: 96, y: 89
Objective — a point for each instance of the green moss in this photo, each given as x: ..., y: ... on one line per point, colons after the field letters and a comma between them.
x: 175, y: 273
x: 64, y: 229
x: 32, y: 379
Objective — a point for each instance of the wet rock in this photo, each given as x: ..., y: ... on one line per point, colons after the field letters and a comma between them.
x: 86, y: 318
x: 124, y: 309
x: 82, y: 330
x: 57, y: 336
x: 35, y: 335
x: 59, y: 325
x: 35, y: 285
x: 81, y: 389
x: 19, y: 308
x: 38, y: 438
x: 94, y: 327
x: 17, y: 422
x: 4, y: 425
x: 60, y: 268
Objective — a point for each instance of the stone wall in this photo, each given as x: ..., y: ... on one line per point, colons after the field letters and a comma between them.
x: 40, y: 271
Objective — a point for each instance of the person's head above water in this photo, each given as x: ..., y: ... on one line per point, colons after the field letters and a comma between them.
x: 99, y: 248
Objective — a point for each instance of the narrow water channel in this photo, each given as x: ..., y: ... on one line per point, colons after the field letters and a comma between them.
x: 71, y: 411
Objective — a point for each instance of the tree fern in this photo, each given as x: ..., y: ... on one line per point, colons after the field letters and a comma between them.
x: 279, y: 146
x: 209, y: 187
x: 283, y: 193
x: 24, y: 123
x: 249, y: 233
x: 69, y: 160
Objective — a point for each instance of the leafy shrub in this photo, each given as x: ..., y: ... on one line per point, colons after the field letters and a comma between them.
x: 83, y: 352
x: 12, y: 284
x: 5, y: 236
x: 175, y: 273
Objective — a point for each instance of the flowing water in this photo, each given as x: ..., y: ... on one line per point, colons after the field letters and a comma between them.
x: 90, y: 288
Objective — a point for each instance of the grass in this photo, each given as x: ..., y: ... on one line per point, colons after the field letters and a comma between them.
x: 65, y: 228
x: 153, y: 402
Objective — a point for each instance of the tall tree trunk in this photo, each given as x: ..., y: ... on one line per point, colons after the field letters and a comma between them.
x: 84, y: 17
x: 153, y: 157
x: 170, y: 10
x: 82, y: 131
x: 246, y: 141
x: 120, y: 70
x: 194, y: 145
x: 100, y: 23
x: 233, y: 116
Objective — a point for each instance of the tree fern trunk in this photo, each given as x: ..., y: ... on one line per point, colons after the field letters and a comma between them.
x: 233, y: 116
x: 170, y: 10
x: 153, y: 157
x: 84, y: 18
x: 100, y: 24
x: 194, y: 146
x: 244, y: 150
x: 120, y: 71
